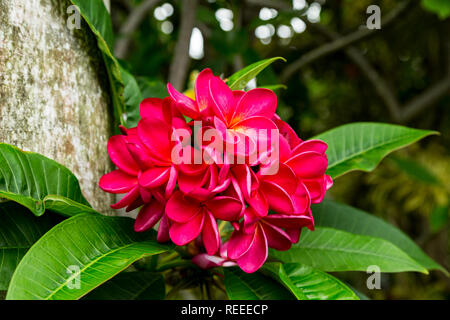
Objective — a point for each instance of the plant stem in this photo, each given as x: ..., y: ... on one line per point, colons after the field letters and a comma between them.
x: 174, y: 264
x: 169, y: 257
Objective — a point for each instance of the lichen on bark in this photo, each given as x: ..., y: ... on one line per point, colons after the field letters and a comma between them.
x: 53, y: 91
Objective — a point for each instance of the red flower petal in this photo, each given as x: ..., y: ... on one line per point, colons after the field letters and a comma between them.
x: 163, y: 230
x: 308, y: 165
x: 117, y: 181
x: 202, y: 96
x: 128, y: 199
x: 148, y: 216
x: 224, y: 208
x: 181, y: 209
x: 183, y: 233
x: 118, y: 152
x: 256, y: 255
x: 156, y: 135
x: 154, y: 177
x: 276, y: 237
x: 223, y: 99
x: 238, y: 244
x: 256, y: 102
x: 184, y: 104
x: 210, y: 234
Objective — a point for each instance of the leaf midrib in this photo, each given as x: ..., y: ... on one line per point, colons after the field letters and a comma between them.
x: 84, y: 269
x: 361, y: 252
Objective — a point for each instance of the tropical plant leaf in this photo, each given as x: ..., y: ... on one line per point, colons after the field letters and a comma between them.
x: 275, y: 87
x: 152, y: 88
x: 254, y: 286
x: 439, y: 7
x: 333, y: 250
x: 415, y: 170
x: 131, y: 286
x: 19, y: 230
x: 99, y: 21
x: 307, y: 283
x: 38, y: 183
x: 86, y: 250
x: 362, y: 145
x: 239, y: 80
x: 342, y: 217
x: 439, y: 218
x: 133, y: 98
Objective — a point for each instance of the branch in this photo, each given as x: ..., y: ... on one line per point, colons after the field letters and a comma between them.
x: 381, y: 87
x: 425, y: 99
x: 342, y: 42
x: 398, y: 113
x: 133, y: 22
x: 180, y: 62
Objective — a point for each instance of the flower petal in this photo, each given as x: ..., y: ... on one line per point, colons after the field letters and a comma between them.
x: 118, y: 152
x: 224, y: 208
x: 308, y: 165
x: 156, y: 135
x: 128, y: 199
x: 202, y: 96
x: 238, y: 244
x: 163, y: 230
x: 210, y: 234
x: 152, y: 108
x: 285, y: 178
x: 276, y: 237
x: 172, y: 182
x: 148, y: 216
x: 256, y: 102
x: 154, y: 177
x: 183, y: 233
x: 257, y: 254
x: 117, y: 181
x: 181, y: 209
x: 288, y: 133
x: 278, y: 198
x: 310, y: 145
x: 185, y: 104
x: 222, y: 98
x: 206, y: 261
x: 289, y: 221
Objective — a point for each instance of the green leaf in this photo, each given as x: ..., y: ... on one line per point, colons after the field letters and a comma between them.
x: 275, y: 87
x: 99, y: 21
x: 415, y: 170
x: 307, y: 283
x: 362, y: 145
x: 131, y: 286
x: 333, y: 250
x: 440, y: 7
x: 439, y: 218
x: 133, y: 98
x: 152, y: 88
x: 239, y: 80
x: 342, y: 217
x: 38, y: 183
x: 254, y: 286
x: 19, y: 230
x: 89, y: 248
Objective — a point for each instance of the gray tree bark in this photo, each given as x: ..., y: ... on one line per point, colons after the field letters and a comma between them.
x: 54, y: 92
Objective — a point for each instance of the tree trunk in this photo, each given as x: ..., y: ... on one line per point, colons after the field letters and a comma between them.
x: 54, y: 92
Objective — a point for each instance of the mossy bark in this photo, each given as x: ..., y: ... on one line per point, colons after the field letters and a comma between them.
x: 53, y: 91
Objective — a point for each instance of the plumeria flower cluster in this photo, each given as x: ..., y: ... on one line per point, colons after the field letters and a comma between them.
x: 196, y: 165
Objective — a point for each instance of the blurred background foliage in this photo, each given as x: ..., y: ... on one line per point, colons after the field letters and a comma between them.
x: 397, y: 74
